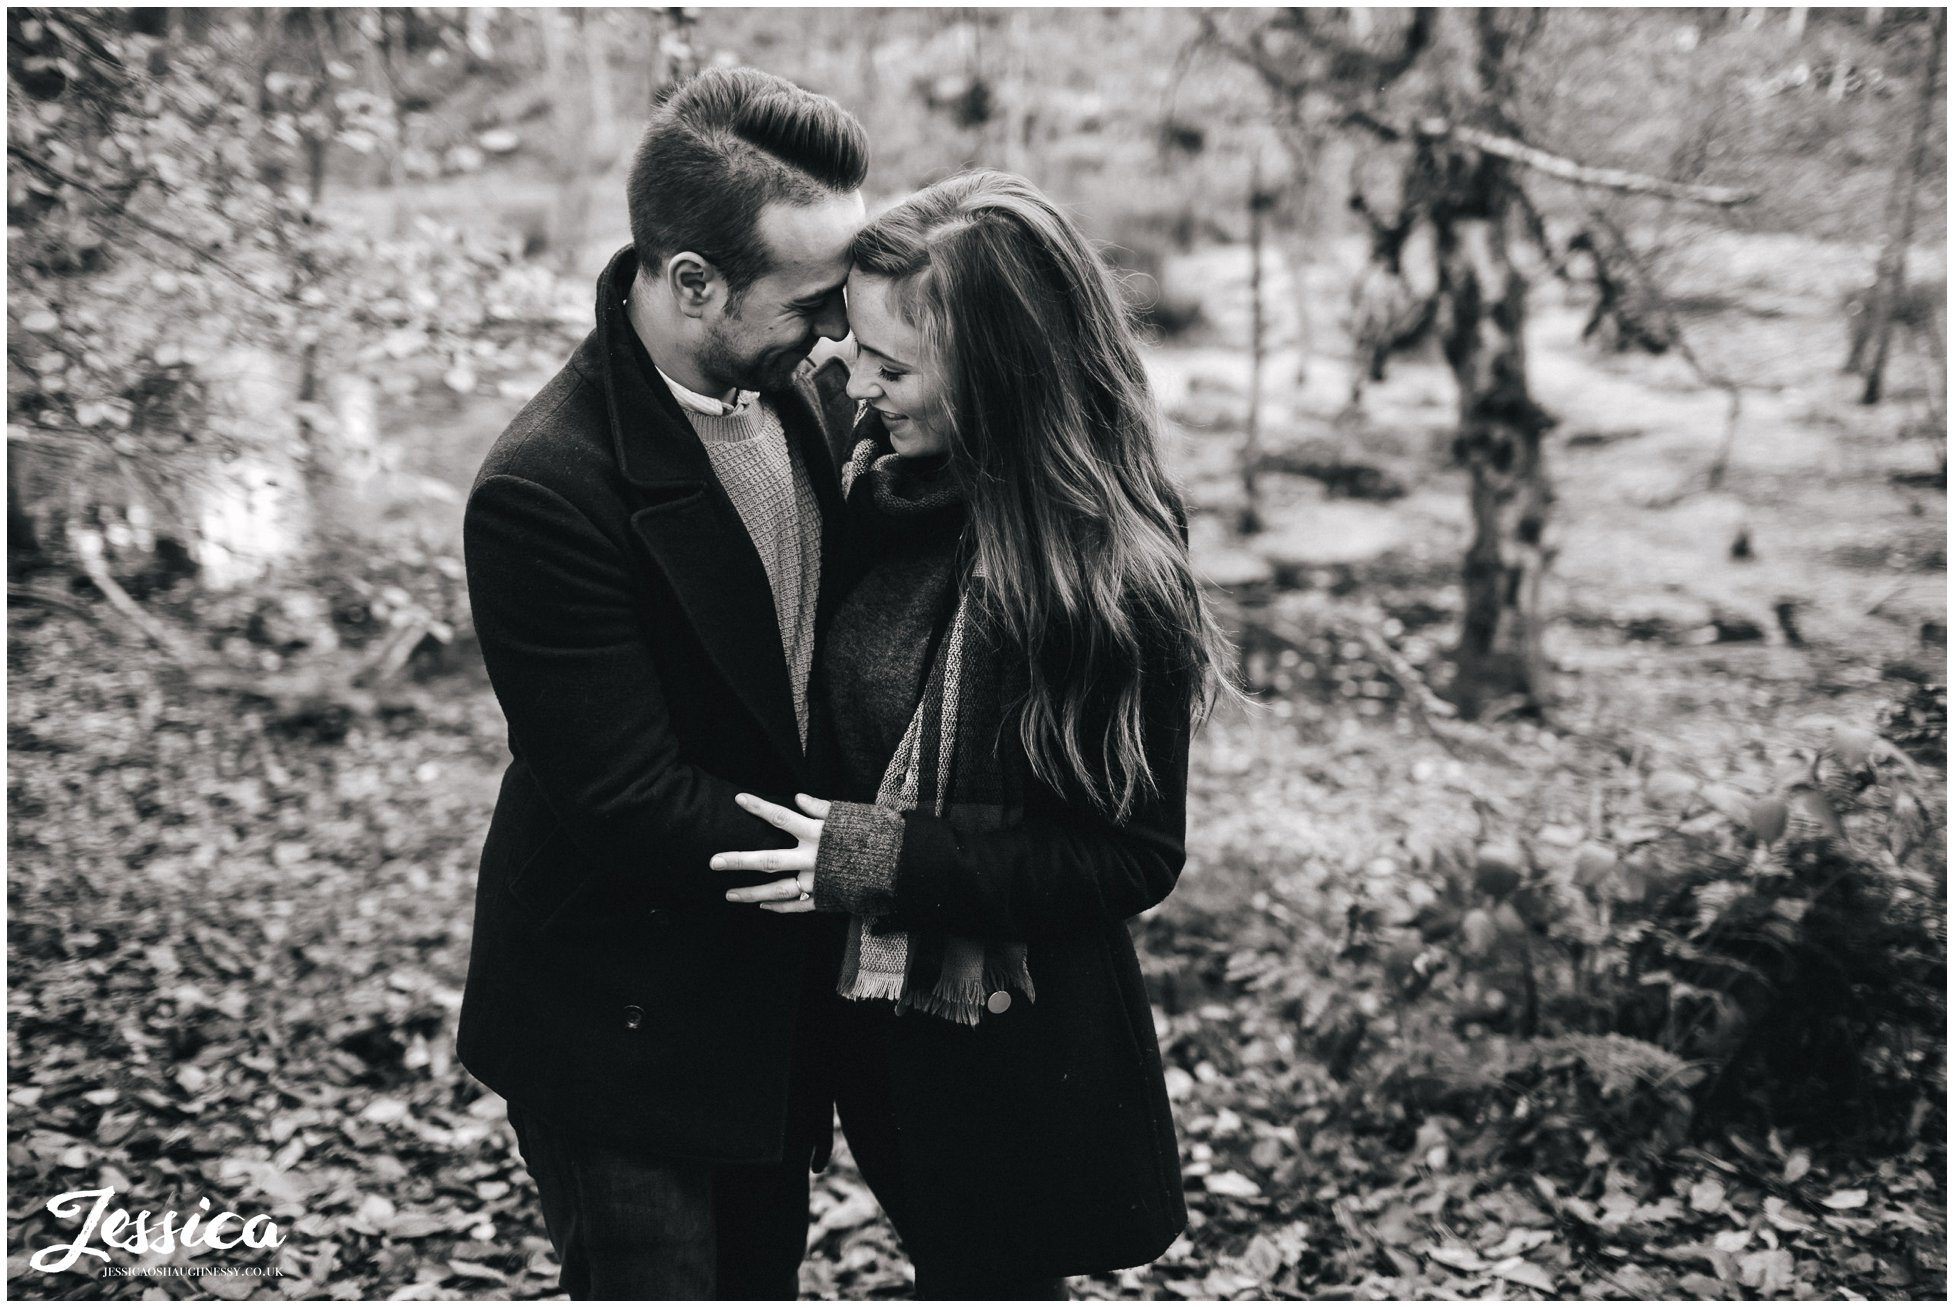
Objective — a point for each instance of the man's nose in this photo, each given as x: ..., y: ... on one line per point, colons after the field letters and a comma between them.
x: 832, y: 321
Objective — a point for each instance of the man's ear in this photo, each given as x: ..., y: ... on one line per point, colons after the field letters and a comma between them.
x: 693, y: 282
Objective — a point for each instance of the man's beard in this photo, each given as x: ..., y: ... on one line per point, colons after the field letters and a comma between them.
x: 771, y: 370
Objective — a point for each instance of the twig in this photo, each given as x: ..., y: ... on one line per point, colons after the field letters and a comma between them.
x: 1704, y: 373
x: 29, y: 595
x: 203, y: 254
x: 1536, y: 226
x: 1886, y: 592
x: 394, y: 653
x: 1426, y: 709
x: 1282, y: 75
x: 1721, y: 464
x: 1580, y: 174
x: 88, y: 548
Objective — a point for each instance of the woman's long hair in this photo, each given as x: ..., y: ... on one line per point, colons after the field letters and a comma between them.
x: 1055, y: 443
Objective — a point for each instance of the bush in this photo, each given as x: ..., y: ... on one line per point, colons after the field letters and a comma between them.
x: 1717, y: 958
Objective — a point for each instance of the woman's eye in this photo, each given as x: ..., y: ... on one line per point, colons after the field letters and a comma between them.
x: 888, y: 376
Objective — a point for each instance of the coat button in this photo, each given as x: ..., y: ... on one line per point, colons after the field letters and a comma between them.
x: 634, y: 1017
x: 998, y: 1002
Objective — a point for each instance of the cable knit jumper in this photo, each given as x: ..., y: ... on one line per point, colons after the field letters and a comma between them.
x: 748, y: 448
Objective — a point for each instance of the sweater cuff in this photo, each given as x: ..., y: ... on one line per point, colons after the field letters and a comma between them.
x: 855, y: 868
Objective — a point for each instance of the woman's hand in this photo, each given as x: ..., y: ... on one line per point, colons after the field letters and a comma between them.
x: 793, y: 893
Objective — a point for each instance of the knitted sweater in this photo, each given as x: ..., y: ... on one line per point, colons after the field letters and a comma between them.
x: 747, y: 445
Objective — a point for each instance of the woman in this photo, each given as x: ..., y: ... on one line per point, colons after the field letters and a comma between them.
x: 1009, y: 689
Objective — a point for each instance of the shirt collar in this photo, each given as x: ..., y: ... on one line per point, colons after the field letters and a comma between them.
x: 706, y: 404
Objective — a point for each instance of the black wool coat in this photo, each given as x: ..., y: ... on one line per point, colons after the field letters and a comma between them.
x: 1039, y: 1142
x: 628, y: 629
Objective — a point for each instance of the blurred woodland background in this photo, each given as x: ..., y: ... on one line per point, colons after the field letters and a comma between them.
x: 1561, y: 399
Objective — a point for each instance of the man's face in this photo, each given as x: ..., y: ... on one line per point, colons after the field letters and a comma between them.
x: 759, y: 341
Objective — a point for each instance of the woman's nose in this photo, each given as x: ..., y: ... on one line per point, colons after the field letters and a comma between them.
x: 861, y: 381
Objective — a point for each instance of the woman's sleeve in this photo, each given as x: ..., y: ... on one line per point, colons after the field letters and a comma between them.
x: 1064, y: 867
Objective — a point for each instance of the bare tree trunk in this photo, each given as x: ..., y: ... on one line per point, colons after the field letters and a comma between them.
x: 600, y: 141
x: 1299, y: 231
x: 324, y: 29
x: 389, y: 54
x: 570, y: 120
x: 1482, y: 324
x: 1251, y: 519
x: 1015, y: 89
x: 682, y: 55
x: 1902, y: 210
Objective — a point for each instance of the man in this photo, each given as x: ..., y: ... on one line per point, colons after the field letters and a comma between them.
x: 648, y: 549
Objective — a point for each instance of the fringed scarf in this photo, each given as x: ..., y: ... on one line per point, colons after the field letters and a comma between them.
x: 949, y: 764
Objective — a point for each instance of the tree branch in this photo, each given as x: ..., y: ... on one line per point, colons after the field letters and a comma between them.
x: 88, y: 549
x: 1732, y: 390
x: 204, y: 256
x: 1282, y: 76
x: 29, y: 595
x: 1580, y: 174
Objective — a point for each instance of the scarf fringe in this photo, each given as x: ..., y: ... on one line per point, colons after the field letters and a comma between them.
x: 875, y: 985
x: 1010, y: 973
x: 962, y: 1011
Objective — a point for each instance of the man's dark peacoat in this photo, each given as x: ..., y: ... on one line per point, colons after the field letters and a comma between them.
x: 629, y: 632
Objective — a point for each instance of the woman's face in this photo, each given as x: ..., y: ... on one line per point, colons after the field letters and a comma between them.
x: 895, y: 371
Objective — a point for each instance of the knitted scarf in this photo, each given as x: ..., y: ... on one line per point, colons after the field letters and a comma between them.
x: 949, y: 765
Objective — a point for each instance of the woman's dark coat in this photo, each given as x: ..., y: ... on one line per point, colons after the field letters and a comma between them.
x: 1043, y: 1135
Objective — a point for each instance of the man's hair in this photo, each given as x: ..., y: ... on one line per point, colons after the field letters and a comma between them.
x: 721, y: 148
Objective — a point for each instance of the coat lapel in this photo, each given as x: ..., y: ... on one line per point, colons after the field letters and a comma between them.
x: 690, y: 527
x: 812, y: 415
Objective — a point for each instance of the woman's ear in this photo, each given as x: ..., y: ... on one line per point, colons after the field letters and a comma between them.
x: 692, y: 281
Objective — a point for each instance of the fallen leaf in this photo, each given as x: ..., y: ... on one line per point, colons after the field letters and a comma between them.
x: 476, y: 1271
x: 1698, y: 1286
x: 376, y: 1211
x: 1232, y: 1185
x: 1519, y: 1241
x: 1707, y: 1195
x: 1769, y: 1271
x: 1398, y: 1225
x: 858, y: 1209
x: 382, y: 1111
x: 1844, y: 1199
x: 1261, y: 1260
x: 1521, y: 1272
x: 1457, y: 1258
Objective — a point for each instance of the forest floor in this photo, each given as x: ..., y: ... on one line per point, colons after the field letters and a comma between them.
x: 238, y: 932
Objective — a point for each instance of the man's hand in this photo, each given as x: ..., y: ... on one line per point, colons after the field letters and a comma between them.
x: 793, y: 893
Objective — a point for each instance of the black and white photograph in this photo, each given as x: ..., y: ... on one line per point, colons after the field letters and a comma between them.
x: 975, y: 653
